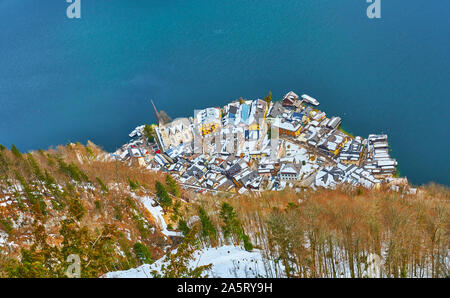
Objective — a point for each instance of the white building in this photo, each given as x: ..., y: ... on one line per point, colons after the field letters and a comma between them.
x: 290, y: 171
x: 174, y: 133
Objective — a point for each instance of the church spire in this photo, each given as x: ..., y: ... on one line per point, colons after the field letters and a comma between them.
x: 158, y: 120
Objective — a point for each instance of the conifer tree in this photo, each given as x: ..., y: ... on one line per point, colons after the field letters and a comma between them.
x: 178, y: 264
x: 76, y: 209
x: 162, y: 195
x: 208, y: 229
x: 142, y: 253
x: 103, y: 187
x: 232, y: 226
x: 183, y: 227
x: 149, y: 132
x: 4, y: 165
x: 36, y: 170
x: 172, y: 186
x: 133, y: 185
x: 16, y: 151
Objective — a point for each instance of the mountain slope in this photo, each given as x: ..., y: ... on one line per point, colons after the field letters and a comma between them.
x: 74, y: 199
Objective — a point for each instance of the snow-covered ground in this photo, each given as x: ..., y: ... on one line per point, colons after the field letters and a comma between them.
x: 3, y: 238
x: 157, y: 212
x: 299, y: 155
x: 5, y: 243
x: 227, y: 262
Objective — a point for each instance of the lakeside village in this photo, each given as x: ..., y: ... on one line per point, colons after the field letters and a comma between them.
x: 256, y: 145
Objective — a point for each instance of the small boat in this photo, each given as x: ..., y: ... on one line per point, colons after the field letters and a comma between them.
x: 310, y: 100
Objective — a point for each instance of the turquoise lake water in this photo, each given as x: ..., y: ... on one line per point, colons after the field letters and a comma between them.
x: 65, y: 80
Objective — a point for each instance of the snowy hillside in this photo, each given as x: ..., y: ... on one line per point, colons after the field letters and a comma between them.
x: 157, y: 212
x: 228, y: 262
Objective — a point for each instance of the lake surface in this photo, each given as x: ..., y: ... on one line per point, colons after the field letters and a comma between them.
x: 65, y: 80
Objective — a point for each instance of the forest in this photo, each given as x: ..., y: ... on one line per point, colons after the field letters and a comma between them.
x: 74, y: 199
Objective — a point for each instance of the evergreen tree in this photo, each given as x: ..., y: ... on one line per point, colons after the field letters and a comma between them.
x: 31, y: 265
x: 149, y: 132
x: 248, y: 246
x: 90, y: 152
x: 16, y: 151
x: 176, y: 265
x: 162, y: 195
x: 208, y: 229
x: 7, y: 225
x: 142, y: 253
x: 183, y: 227
x: 176, y: 210
x: 76, y: 209
x: 36, y: 170
x: 268, y: 98
x: 59, y: 196
x: 172, y: 186
x: 35, y: 197
x: 4, y: 165
x: 72, y: 171
x: 39, y: 261
x: 232, y: 226
x: 103, y: 187
x: 133, y: 185
x: 96, y: 251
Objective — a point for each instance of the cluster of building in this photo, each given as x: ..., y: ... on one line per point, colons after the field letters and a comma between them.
x: 252, y: 145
